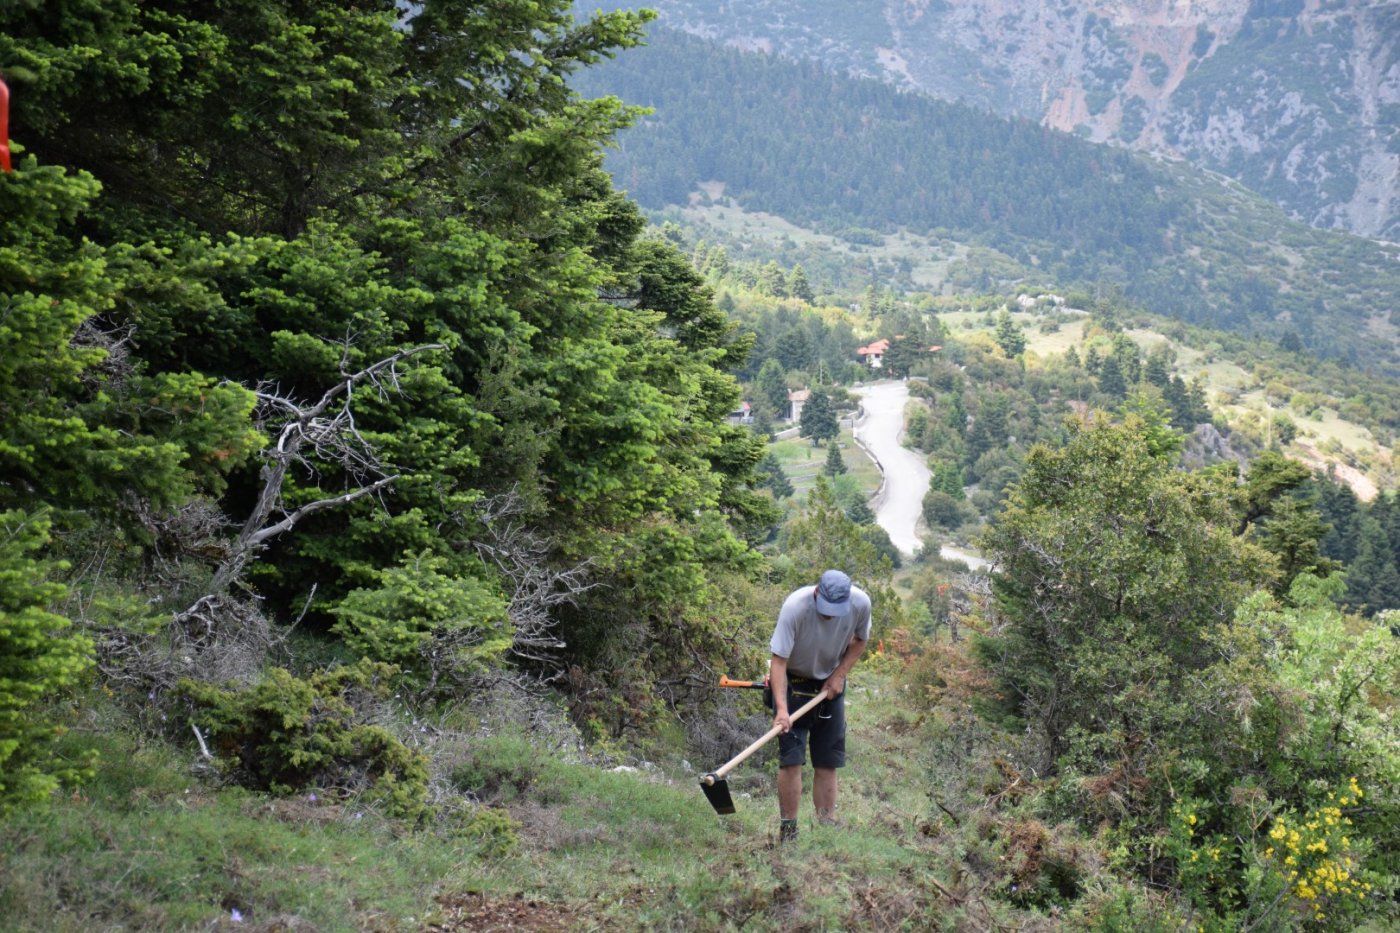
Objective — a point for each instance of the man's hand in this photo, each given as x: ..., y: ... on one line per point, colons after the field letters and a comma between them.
x: 835, y: 685
x: 777, y: 682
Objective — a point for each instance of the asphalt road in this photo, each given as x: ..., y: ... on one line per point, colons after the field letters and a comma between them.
x: 906, y: 472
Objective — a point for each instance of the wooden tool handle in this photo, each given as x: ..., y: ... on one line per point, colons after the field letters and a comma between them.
x: 767, y: 737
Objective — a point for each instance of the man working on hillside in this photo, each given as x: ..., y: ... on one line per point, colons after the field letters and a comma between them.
x: 820, y: 635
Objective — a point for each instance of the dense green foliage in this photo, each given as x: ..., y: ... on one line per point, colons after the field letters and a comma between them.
x: 289, y: 338
x: 39, y: 655
x: 1126, y: 617
x: 1114, y: 571
x: 321, y: 208
x: 285, y: 733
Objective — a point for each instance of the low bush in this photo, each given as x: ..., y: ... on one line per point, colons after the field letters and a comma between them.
x: 285, y: 733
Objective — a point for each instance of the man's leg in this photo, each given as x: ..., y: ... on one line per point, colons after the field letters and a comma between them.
x: 789, y: 791
x: 824, y: 793
x: 828, y: 754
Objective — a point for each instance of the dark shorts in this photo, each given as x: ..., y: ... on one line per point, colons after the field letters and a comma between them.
x: 824, y: 728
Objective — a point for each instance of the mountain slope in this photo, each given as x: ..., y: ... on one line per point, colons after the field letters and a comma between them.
x: 1299, y: 100
x: 856, y: 154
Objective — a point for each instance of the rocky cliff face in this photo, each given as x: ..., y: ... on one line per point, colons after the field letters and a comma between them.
x: 1299, y: 100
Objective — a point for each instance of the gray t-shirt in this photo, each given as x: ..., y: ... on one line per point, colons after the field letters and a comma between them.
x: 812, y: 645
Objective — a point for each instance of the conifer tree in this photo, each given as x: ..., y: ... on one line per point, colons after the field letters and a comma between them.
x: 1111, y: 380
x: 772, y: 385
x: 1373, y: 579
x: 773, y: 476
x: 771, y: 280
x: 798, y: 286
x: 1009, y: 335
x: 835, y: 465
x: 818, y: 419
x: 859, y: 512
x: 40, y: 655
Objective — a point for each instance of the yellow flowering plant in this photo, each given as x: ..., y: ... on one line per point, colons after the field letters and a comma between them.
x: 1319, y: 858
x: 1250, y: 863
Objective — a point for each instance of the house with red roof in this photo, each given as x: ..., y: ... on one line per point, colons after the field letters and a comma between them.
x: 874, y: 353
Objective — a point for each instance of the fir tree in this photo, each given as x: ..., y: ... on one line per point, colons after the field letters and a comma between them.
x: 772, y: 476
x: 818, y: 419
x: 798, y: 286
x: 1009, y: 335
x: 859, y: 512
x: 835, y: 464
x: 1111, y: 380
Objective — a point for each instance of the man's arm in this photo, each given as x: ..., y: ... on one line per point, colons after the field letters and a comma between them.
x: 777, y: 682
x: 836, y: 683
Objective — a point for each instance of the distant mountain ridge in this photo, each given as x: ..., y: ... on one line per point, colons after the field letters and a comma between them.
x: 1299, y: 100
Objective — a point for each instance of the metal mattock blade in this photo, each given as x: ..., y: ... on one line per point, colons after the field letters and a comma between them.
x: 718, y: 793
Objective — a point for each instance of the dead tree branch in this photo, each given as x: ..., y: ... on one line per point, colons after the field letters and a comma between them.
x: 309, y: 436
x: 307, y: 432
x: 535, y: 587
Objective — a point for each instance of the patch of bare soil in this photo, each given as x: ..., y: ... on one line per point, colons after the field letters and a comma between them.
x: 1359, y: 482
x: 488, y: 913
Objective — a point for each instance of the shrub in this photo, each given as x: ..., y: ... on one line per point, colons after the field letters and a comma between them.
x: 38, y: 655
x: 284, y: 734
x: 1243, y: 860
x: 943, y: 511
x: 429, y: 618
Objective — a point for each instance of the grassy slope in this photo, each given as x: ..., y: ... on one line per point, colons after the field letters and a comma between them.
x: 150, y: 846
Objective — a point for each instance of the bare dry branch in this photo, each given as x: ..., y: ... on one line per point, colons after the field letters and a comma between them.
x: 536, y: 587
x: 323, y: 432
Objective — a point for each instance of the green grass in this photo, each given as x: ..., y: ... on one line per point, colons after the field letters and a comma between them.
x: 803, y: 463
x: 150, y: 845
x: 932, y: 261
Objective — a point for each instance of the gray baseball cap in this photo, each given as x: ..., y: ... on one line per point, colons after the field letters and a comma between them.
x: 834, y: 594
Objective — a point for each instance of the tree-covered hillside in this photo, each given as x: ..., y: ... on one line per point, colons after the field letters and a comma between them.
x: 332, y: 316
x: 1294, y: 100
x: 859, y: 154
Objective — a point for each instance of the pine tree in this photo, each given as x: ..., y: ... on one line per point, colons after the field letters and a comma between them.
x: 859, y: 512
x: 1111, y: 381
x: 1340, y: 508
x: 1157, y: 371
x: 771, y: 280
x: 1373, y: 580
x: 835, y: 465
x: 1093, y: 362
x: 818, y: 419
x: 1009, y: 335
x: 773, y: 476
x: 772, y: 385
x: 39, y: 656
x: 798, y: 286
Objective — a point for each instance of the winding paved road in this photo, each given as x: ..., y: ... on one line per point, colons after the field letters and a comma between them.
x: 906, y: 472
